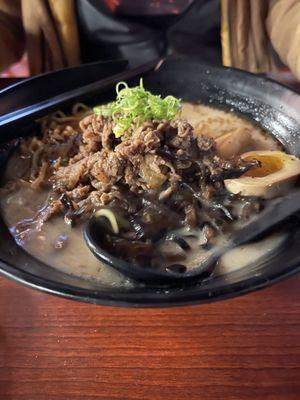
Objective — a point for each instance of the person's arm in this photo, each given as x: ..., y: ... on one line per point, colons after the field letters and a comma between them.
x: 65, y: 20
x: 12, y: 41
x: 283, y: 25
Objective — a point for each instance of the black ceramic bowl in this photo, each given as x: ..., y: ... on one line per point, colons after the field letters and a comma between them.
x: 270, y: 105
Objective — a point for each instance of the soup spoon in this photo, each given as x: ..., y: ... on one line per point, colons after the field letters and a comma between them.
x: 275, y: 211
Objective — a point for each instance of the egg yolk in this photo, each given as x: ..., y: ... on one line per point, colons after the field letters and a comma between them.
x: 269, y: 165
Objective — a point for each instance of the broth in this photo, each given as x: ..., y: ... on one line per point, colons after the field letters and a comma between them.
x: 55, y: 243
x: 214, y: 123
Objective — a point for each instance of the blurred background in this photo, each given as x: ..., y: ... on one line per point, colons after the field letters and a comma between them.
x: 142, y: 31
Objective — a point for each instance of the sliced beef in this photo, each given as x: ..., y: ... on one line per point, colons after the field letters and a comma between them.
x: 154, y: 161
x: 67, y: 178
x: 109, y: 167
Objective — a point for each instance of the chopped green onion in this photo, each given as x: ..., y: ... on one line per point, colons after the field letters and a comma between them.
x: 135, y: 105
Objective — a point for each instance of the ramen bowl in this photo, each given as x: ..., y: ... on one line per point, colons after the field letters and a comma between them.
x: 265, y: 103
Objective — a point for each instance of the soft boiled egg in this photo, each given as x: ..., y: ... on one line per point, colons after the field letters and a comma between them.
x: 277, y: 171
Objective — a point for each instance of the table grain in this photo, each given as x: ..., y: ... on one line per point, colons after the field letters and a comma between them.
x: 240, y: 349
x: 243, y: 348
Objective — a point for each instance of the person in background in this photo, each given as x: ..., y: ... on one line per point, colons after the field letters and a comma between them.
x: 257, y: 36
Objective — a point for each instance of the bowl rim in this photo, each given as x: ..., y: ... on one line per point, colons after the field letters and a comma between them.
x: 150, y: 299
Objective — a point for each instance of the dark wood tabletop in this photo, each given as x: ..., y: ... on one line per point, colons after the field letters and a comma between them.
x: 238, y: 349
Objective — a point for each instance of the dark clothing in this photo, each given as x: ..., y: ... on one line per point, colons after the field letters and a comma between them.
x: 141, y: 34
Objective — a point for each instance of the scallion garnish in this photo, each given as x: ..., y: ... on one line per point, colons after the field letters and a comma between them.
x: 135, y: 105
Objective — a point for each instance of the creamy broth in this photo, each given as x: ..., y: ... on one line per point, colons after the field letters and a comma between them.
x: 62, y: 247
x: 55, y: 243
x: 247, y: 254
x: 214, y: 123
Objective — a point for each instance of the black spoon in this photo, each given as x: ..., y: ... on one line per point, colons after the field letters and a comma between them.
x: 276, y: 210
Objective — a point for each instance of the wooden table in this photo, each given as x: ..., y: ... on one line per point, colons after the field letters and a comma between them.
x: 244, y: 348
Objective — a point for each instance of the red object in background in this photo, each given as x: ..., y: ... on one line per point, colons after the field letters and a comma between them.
x: 152, y: 7
x: 18, y: 70
x: 112, y: 4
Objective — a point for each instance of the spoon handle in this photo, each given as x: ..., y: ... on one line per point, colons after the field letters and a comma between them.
x: 276, y: 211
